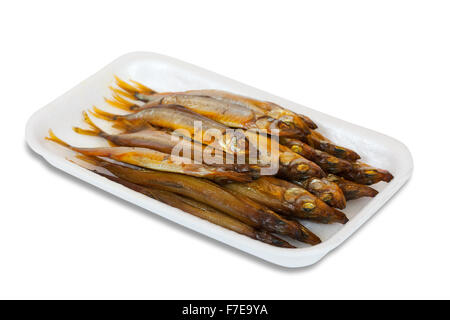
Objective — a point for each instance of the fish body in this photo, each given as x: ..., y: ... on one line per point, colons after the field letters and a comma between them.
x: 352, y: 190
x: 363, y: 173
x: 318, y: 141
x: 152, y: 159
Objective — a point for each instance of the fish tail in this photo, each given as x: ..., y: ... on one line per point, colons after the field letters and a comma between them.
x: 119, y: 121
x: 142, y: 88
x: 133, y: 89
x: 101, y: 152
x: 95, y: 131
x: 122, y: 93
x: 119, y: 102
x: 54, y: 138
x: 101, y: 114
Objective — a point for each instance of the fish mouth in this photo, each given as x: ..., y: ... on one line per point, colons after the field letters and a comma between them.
x: 339, y: 202
x: 338, y: 217
x: 387, y: 176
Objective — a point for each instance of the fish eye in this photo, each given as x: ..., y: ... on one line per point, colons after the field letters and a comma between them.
x: 340, y: 150
x: 370, y: 173
x: 303, y: 168
x: 332, y: 160
x: 296, y: 148
x: 308, y: 206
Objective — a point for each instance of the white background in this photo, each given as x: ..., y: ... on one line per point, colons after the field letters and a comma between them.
x: 381, y: 64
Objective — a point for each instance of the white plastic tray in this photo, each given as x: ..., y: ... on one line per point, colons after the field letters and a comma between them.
x: 167, y: 74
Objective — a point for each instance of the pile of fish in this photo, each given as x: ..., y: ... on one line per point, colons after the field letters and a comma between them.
x: 156, y: 146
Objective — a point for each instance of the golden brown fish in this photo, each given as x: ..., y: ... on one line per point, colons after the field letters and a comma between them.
x: 352, y: 190
x: 318, y: 141
x: 289, y: 199
x: 152, y: 159
x: 365, y: 174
